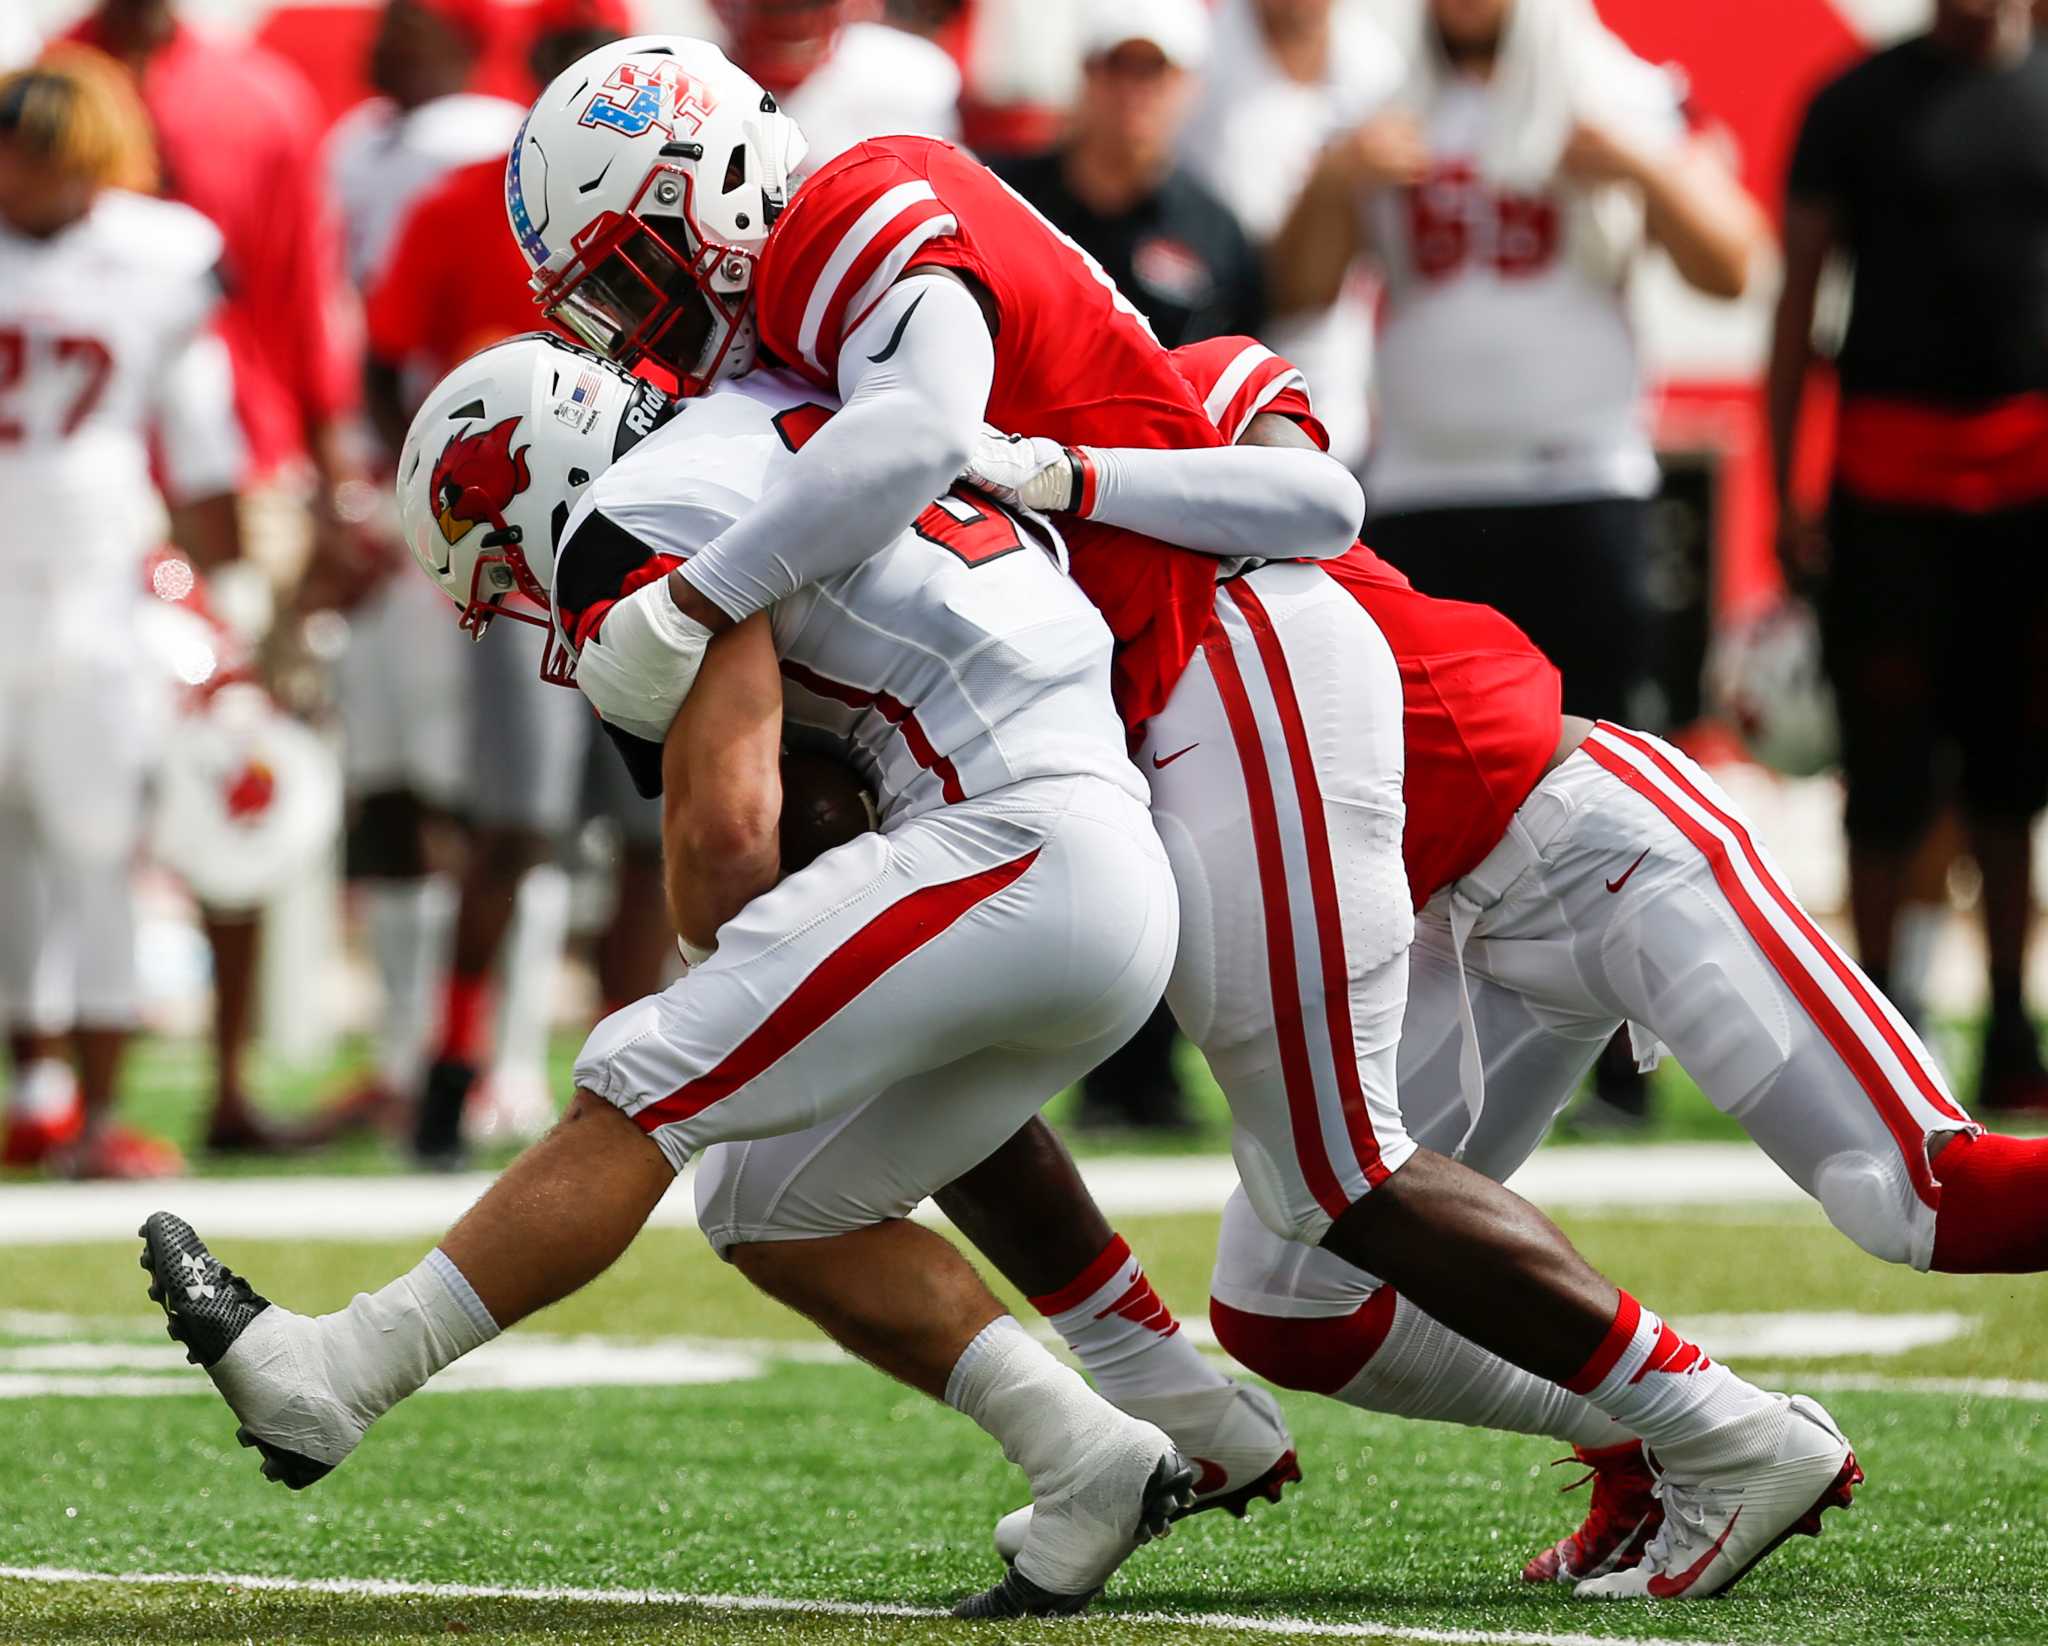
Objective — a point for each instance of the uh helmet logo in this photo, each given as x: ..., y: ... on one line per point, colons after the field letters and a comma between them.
x: 476, y: 477
x: 643, y: 95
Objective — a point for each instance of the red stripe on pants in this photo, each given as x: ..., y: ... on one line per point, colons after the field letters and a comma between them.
x: 1812, y: 995
x: 1304, y: 1120
x: 1322, y: 885
x: 898, y: 932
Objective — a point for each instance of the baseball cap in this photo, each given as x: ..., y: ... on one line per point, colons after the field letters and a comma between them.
x: 1179, y: 28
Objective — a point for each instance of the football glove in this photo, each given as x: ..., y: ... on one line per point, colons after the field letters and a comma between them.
x: 1034, y: 473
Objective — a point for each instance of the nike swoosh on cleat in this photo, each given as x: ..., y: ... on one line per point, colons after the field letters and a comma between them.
x: 1616, y: 885
x: 896, y: 337
x: 1159, y: 765
x: 1669, y: 1588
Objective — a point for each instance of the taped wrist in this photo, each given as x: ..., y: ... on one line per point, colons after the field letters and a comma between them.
x: 639, y: 666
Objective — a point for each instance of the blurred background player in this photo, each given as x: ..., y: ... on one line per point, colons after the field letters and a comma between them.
x: 1116, y: 186
x: 1926, y: 167
x: 237, y: 134
x: 454, y: 283
x: 1510, y: 187
x: 107, y: 300
x: 842, y: 80
x: 1301, y: 73
x: 403, y: 682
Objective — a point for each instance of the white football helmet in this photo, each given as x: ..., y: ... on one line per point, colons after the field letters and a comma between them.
x: 641, y: 189
x: 493, y: 463
x: 1765, y: 672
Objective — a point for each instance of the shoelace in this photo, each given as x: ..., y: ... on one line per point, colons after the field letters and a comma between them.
x: 1693, y: 1507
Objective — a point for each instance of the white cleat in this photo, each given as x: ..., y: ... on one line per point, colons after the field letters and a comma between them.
x: 1720, y: 1523
x: 1117, y: 1495
x: 1234, y: 1436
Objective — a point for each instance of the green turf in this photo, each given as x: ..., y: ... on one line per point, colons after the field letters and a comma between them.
x: 823, y: 1481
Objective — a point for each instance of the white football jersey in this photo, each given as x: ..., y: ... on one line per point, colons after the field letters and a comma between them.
x: 381, y: 159
x: 878, y: 82
x: 957, y: 661
x: 1507, y: 370
x: 102, y: 329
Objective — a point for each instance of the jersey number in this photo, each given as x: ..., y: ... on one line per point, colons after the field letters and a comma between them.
x: 974, y: 530
x: 86, y: 357
x: 1453, y: 218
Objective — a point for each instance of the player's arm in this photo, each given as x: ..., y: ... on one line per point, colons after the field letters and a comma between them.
x: 202, y: 451
x: 914, y: 379
x: 1228, y: 501
x: 1325, y: 232
x: 722, y: 786
x: 1694, y: 206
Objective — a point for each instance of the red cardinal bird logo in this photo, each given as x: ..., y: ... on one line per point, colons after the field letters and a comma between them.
x: 477, y: 475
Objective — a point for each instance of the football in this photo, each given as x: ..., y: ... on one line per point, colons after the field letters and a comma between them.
x: 824, y: 804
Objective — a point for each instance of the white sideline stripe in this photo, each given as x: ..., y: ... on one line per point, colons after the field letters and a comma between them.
x: 377, y: 1588
x: 1654, y: 1179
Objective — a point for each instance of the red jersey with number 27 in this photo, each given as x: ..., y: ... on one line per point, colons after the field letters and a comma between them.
x: 1480, y: 715
x: 1074, y: 361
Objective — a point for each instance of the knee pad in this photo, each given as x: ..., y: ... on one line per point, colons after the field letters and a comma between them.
x: 1319, y: 1354
x: 1866, y: 1198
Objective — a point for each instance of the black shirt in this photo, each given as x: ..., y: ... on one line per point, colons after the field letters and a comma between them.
x: 1178, y: 255
x: 1937, y: 172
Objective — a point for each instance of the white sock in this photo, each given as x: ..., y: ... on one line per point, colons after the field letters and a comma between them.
x: 1657, y: 1385
x: 412, y: 924
x: 1424, y: 1369
x: 1086, y: 1461
x: 46, y: 1090
x: 1040, y: 1412
x: 532, y: 959
x: 385, y: 1344
x: 313, y: 1385
x: 1122, y: 1333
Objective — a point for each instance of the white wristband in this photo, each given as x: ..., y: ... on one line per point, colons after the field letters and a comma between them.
x: 639, y: 666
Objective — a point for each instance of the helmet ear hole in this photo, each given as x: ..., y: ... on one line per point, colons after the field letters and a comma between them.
x: 735, y: 169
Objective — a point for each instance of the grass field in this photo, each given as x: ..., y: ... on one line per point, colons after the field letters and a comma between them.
x: 791, y: 1476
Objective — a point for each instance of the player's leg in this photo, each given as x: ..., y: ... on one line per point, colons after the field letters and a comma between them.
x: 89, y: 766
x: 1995, y: 708
x: 403, y: 702
x: 527, y: 746
x: 995, y: 922
x: 814, y: 1218
x: 1320, y: 1144
x: 43, y: 1109
x: 1779, y: 1027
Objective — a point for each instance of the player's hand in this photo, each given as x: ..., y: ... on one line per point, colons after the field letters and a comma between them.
x: 1803, y: 553
x: 1015, y: 468
x: 1387, y: 151
x: 346, y: 566
x: 1595, y: 154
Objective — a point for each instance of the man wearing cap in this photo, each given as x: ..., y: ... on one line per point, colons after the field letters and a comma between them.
x: 1114, y: 185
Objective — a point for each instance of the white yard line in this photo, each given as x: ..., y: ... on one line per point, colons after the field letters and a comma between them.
x: 381, y: 1588
x: 1651, y: 1179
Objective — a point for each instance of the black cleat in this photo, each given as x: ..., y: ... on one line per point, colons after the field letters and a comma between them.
x: 207, y: 1306
x: 1168, y: 1492
x: 437, y: 1128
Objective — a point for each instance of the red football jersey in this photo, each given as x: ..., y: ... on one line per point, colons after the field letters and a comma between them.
x: 1074, y: 361
x: 1480, y: 704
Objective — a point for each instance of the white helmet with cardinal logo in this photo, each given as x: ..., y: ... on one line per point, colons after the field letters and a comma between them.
x: 493, y: 463
x: 641, y: 189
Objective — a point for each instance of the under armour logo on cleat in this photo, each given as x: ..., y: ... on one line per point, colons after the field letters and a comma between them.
x: 196, y: 1284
